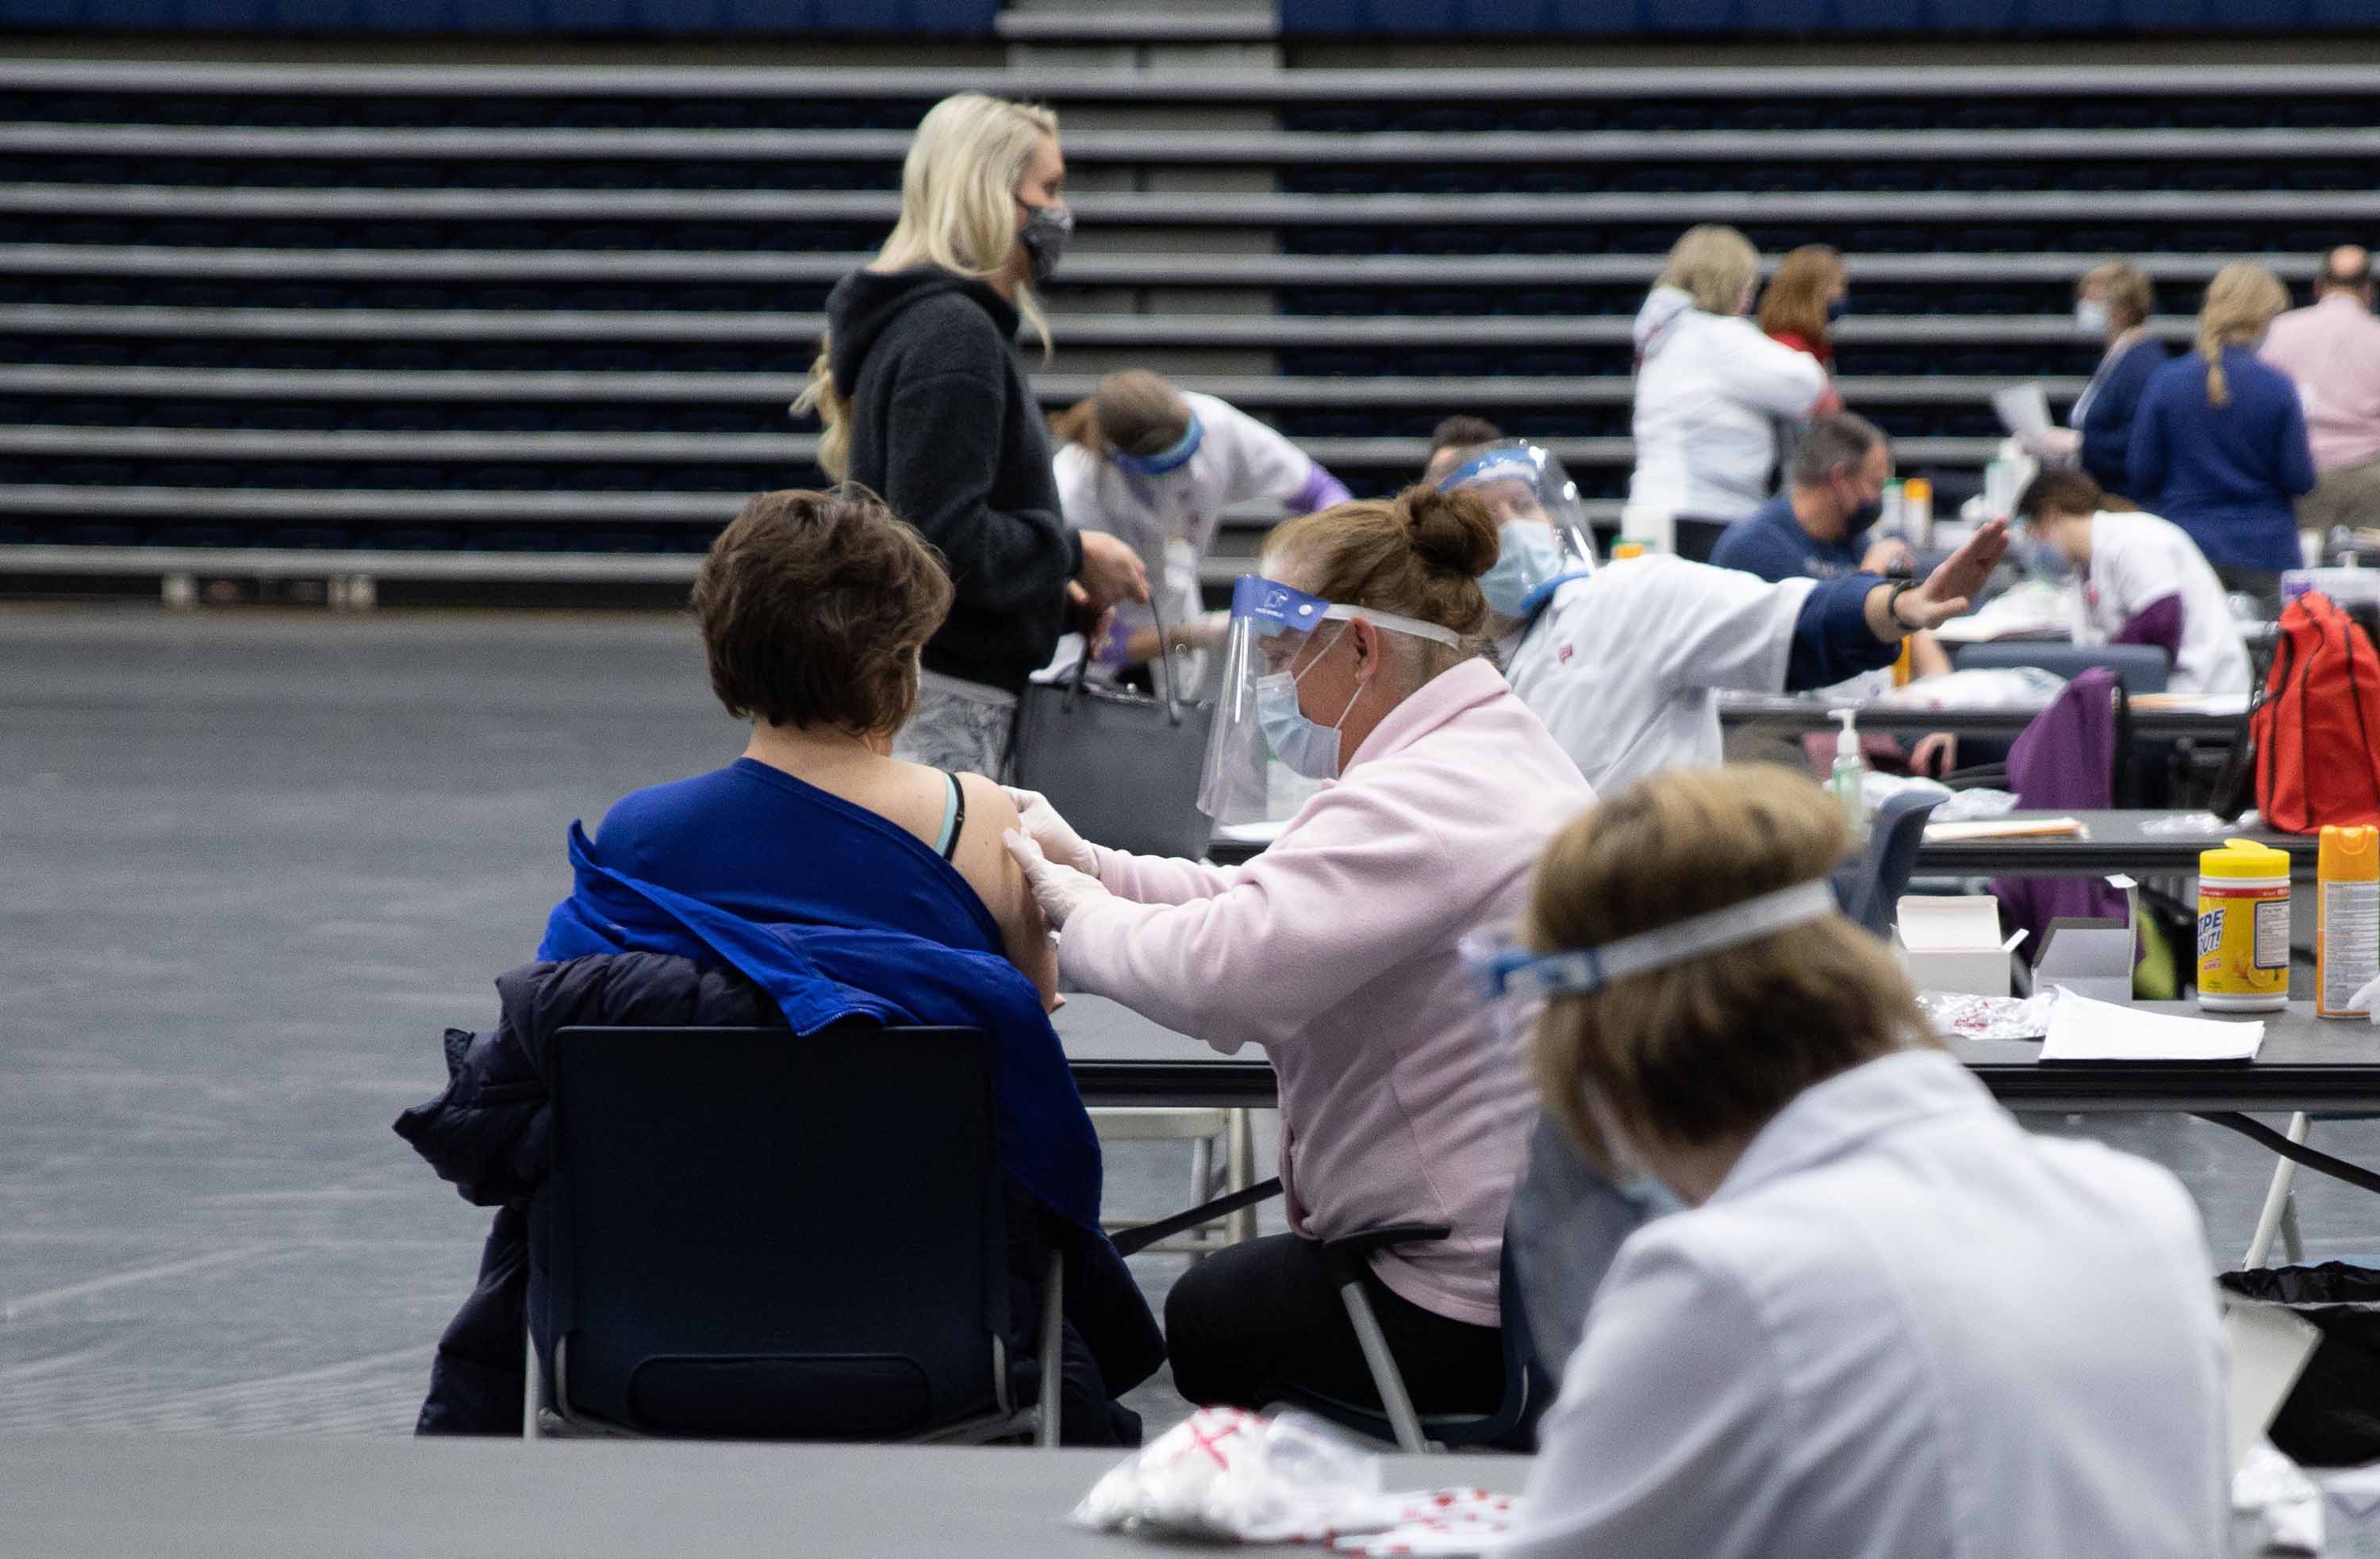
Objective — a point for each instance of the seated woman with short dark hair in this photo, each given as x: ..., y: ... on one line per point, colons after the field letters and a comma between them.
x: 814, y: 881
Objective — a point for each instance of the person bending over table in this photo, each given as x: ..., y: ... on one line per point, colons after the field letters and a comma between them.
x: 1625, y: 663
x: 816, y: 879
x: 1354, y: 661
x: 1889, y: 1321
x: 2145, y: 583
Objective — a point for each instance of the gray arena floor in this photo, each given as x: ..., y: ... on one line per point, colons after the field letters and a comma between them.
x: 251, y: 865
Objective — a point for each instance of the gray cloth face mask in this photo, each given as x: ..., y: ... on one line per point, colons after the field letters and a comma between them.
x: 1044, y: 236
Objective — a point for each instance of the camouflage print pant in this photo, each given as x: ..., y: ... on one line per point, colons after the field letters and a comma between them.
x: 959, y: 731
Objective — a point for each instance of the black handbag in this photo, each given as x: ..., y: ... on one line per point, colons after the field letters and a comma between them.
x: 1122, y: 767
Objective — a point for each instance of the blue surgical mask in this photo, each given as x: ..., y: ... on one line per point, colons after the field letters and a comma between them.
x: 2091, y: 317
x: 1527, y: 556
x: 1306, y: 745
x: 1838, y: 307
x: 2041, y: 560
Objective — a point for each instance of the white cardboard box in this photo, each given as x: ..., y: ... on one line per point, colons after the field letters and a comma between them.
x: 2091, y: 958
x: 1952, y: 944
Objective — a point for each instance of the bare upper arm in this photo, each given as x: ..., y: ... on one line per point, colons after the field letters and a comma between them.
x: 985, y: 862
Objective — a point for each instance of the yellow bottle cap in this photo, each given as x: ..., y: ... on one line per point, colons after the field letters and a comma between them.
x: 2350, y: 854
x: 2243, y: 857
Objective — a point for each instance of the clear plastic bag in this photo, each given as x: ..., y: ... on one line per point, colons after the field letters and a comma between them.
x: 1956, y: 1016
x: 2197, y: 823
x: 1226, y: 1475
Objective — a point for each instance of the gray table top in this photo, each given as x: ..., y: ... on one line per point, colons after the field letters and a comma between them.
x: 2307, y: 1062
x: 1808, y: 715
x: 2114, y: 840
x: 74, y: 1496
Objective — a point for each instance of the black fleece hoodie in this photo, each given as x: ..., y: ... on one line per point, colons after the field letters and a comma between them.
x: 945, y: 429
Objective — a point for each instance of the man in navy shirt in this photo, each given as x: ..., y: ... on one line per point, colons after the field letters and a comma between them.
x: 1817, y: 528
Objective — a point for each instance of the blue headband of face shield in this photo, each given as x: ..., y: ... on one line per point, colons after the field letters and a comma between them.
x: 1168, y: 460
x: 1274, y: 607
x: 1504, y: 970
x: 1497, y: 465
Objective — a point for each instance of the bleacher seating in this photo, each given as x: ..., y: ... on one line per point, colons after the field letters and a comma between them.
x: 563, y: 308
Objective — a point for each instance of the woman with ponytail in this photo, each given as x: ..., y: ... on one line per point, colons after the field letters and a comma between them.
x: 921, y: 399
x: 1337, y: 950
x: 2219, y: 443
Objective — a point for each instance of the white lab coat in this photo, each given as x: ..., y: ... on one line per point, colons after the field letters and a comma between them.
x: 1624, y: 665
x: 1903, y: 1328
x: 1170, y: 520
x: 2138, y: 560
x: 1709, y: 390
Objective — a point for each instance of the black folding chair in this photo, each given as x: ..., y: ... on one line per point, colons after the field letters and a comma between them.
x: 751, y: 1236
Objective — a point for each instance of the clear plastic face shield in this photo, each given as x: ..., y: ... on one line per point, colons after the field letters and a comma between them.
x: 1166, y: 461
x: 1265, y: 752
x: 1516, y: 982
x: 1541, y: 526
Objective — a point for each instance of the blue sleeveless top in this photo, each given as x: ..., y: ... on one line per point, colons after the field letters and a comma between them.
x: 765, y: 846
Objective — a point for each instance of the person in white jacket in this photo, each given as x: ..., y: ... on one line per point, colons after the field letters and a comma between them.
x: 1339, y: 951
x: 1625, y: 664
x: 1158, y: 466
x: 1710, y: 386
x: 1889, y: 1323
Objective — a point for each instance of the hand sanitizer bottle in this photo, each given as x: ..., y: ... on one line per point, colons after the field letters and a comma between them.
x: 1845, y: 779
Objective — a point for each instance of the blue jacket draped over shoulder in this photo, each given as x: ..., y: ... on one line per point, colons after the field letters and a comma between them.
x: 821, y: 974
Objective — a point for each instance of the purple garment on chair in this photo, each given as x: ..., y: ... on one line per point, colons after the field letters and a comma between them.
x: 2065, y: 760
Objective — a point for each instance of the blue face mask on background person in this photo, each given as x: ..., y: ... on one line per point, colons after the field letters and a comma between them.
x: 1527, y: 555
x: 2091, y: 316
x: 1837, y: 308
x: 2041, y: 560
x: 1306, y: 745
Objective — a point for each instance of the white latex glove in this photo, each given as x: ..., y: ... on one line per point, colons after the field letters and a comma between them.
x: 1053, y: 834
x: 2368, y: 999
x: 1059, y: 890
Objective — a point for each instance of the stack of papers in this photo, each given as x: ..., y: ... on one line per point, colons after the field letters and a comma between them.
x: 2082, y: 1030
x: 2023, y: 408
x: 2005, y: 828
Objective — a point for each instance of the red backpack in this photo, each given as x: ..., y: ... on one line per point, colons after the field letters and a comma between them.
x: 2317, y: 722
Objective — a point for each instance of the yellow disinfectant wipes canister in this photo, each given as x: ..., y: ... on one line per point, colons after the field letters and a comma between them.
x: 2243, y: 928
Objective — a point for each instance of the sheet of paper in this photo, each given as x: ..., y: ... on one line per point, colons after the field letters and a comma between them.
x: 2082, y: 1030
x: 2269, y: 1346
x: 2192, y: 703
x: 2023, y: 408
x: 2005, y: 828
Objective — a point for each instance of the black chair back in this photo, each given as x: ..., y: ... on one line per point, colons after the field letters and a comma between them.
x: 756, y: 1235
x: 2139, y: 668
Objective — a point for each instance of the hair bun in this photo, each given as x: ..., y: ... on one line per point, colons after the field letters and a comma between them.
x: 1451, y: 532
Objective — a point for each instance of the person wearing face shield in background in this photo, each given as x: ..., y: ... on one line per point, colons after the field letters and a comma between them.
x: 1888, y: 1320
x: 1157, y: 467
x: 1352, y: 662
x: 1624, y: 662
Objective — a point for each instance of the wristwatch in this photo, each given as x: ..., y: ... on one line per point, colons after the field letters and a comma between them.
x: 1892, y: 604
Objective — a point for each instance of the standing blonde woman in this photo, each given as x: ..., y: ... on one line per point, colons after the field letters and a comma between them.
x: 922, y: 401
x: 2219, y: 442
x: 1711, y: 388
x: 1890, y: 1322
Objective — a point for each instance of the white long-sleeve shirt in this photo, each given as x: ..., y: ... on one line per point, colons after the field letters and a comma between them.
x: 1902, y: 1328
x: 1624, y: 665
x: 1708, y: 387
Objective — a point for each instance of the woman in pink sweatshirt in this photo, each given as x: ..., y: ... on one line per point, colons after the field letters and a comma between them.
x: 1336, y: 950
